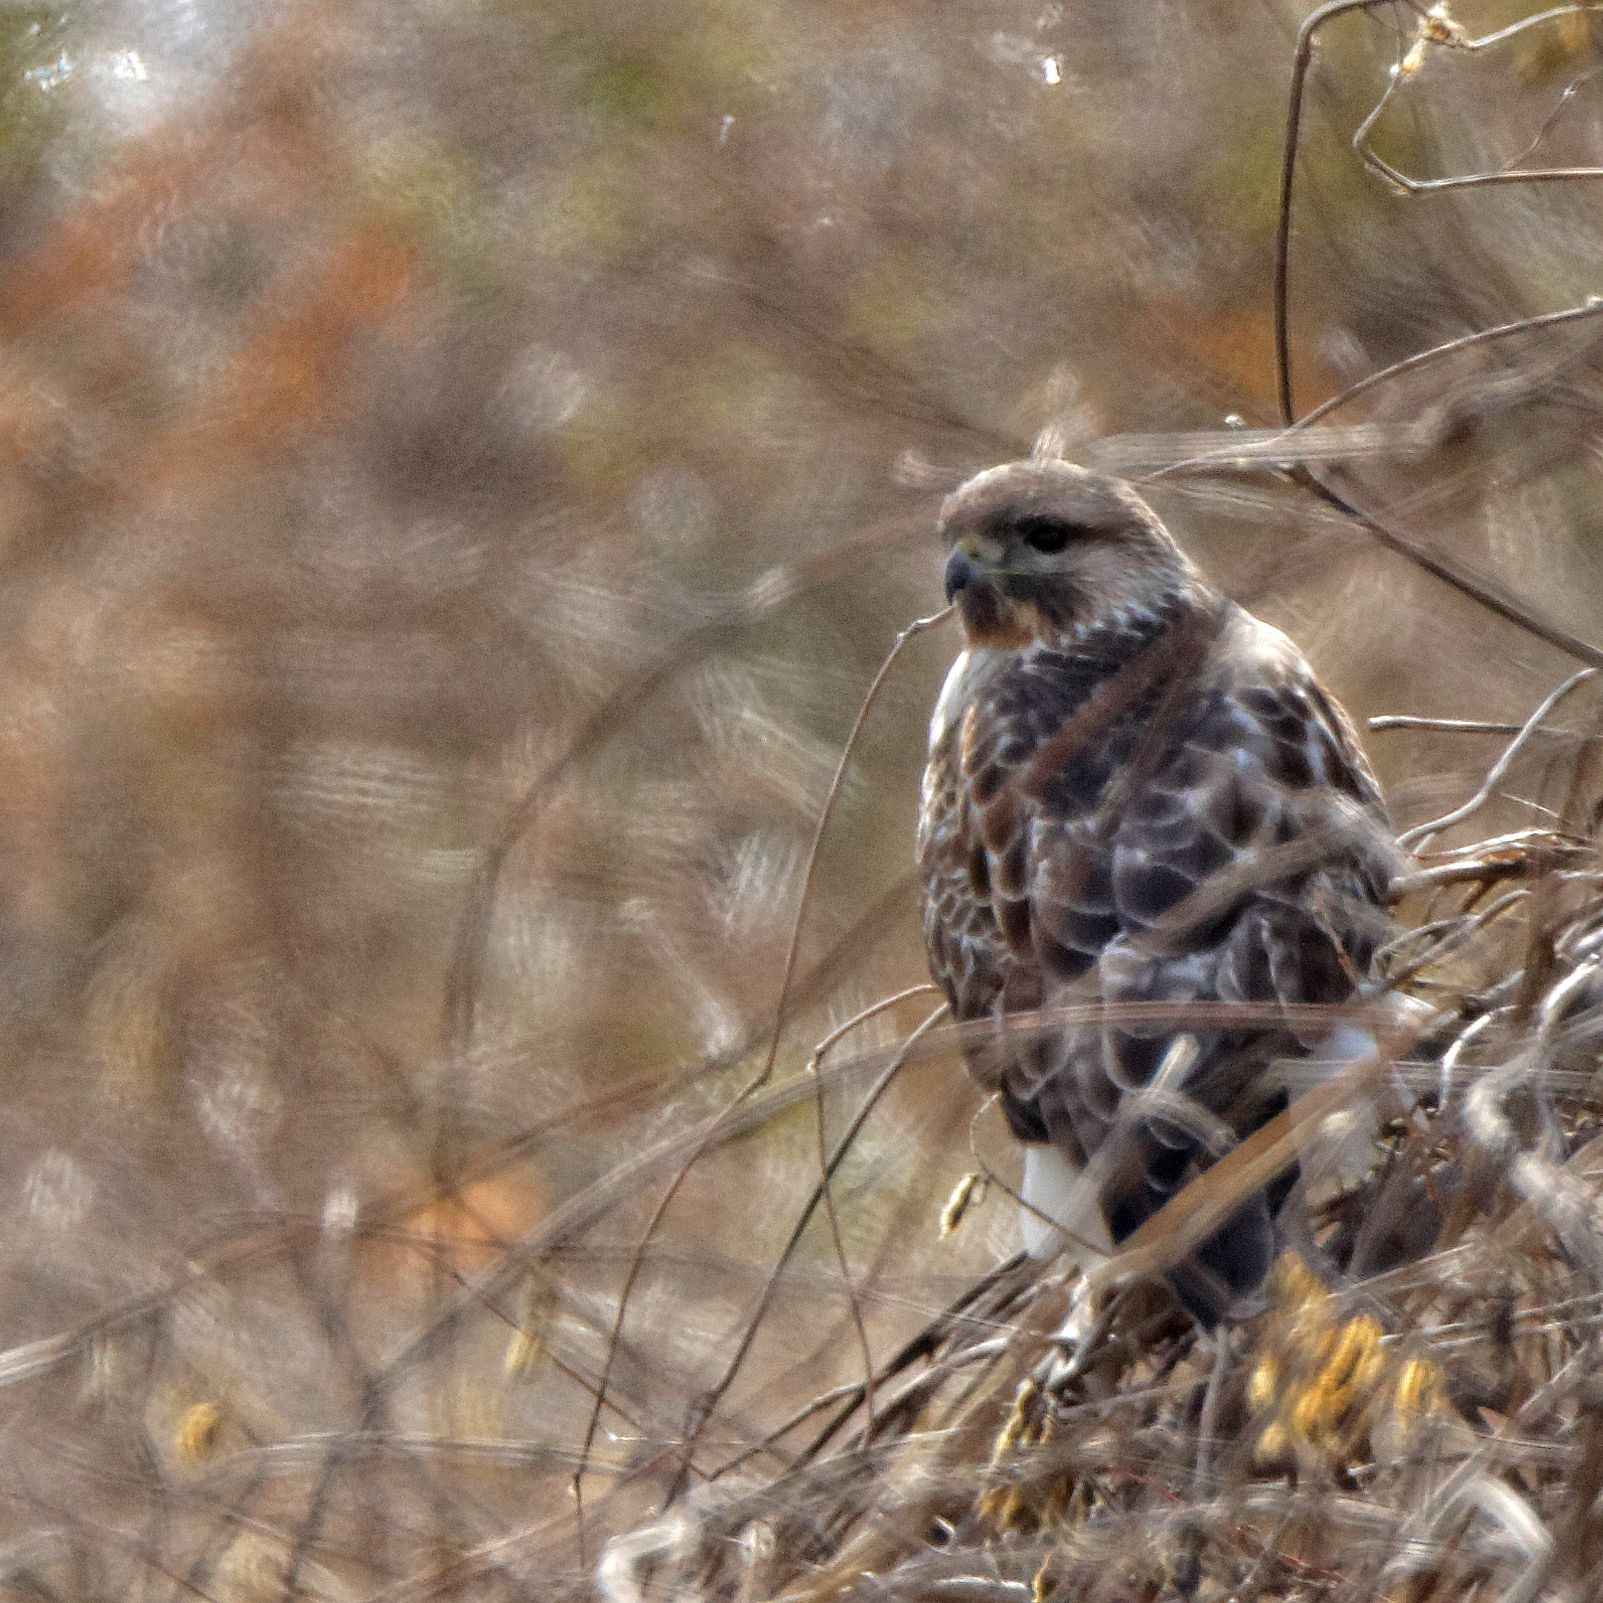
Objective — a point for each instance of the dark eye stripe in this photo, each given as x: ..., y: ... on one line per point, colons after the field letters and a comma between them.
x: 1043, y: 534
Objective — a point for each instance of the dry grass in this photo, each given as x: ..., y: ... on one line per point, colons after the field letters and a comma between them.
x: 1420, y: 1424
x: 462, y: 467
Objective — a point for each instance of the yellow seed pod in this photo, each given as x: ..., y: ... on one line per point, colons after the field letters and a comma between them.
x: 198, y: 1429
x: 1002, y: 1508
x: 959, y: 1203
x: 523, y: 1353
x: 1373, y: 1365
x: 1017, y: 1423
x: 1055, y: 1505
x: 1420, y: 1391
x: 1273, y: 1443
x: 1440, y: 27
x: 1310, y: 1413
x: 528, y: 1341
x: 1347, y: 1362
x: 1294, y: 1284
x: 1041, y: 1582
x: 1010, y: 1509
x: 1356, y: 1343
x: 1263, y: 1382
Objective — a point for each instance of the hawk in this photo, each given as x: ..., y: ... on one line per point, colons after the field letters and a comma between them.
x: 1148, y: 842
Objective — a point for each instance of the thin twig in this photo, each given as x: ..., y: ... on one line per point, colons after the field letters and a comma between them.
x: 1487, y: 592
x: 837, y: 1240
x: 715, y: 1393
x: 781, y: 1005
x: 1304, y: 441
x: 848, y: 751
x: 1475, y: 726
x: 1420, y: 836
x: 1451, y: 36
x: 1301, y: 58
x: 774, y: 589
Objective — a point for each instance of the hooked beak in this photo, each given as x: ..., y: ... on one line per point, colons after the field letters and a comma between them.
x: 961, y: 572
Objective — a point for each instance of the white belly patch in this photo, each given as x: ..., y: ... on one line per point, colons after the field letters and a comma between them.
x: 1073, y: 1223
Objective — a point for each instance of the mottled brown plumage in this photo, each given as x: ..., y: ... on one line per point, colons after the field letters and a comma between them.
x: 1138, y: 795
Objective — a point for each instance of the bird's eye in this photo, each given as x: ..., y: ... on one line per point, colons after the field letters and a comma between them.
x: 1047, y: 535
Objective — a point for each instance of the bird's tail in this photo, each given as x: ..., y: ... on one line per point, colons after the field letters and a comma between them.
x: 1225, y: 1272
x: 1061, y: 1212
x: 1229, y: 1267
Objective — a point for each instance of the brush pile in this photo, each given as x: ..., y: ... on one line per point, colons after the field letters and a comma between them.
x: 1423, y: 1419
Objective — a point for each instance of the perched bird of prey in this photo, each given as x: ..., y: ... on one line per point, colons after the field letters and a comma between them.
x: 1154, y: 860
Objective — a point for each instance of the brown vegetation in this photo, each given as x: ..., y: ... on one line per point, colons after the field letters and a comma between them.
x: 464, y: 465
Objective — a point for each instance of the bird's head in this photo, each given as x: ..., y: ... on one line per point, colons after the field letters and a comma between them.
x: 1043, y: 551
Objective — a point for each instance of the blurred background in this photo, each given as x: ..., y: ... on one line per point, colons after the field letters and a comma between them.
x: 463, y: 465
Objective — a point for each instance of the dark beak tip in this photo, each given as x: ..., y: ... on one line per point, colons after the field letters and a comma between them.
x: 960, y: 574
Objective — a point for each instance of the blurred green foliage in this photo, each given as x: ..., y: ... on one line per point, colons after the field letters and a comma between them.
x: 34, y: 61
